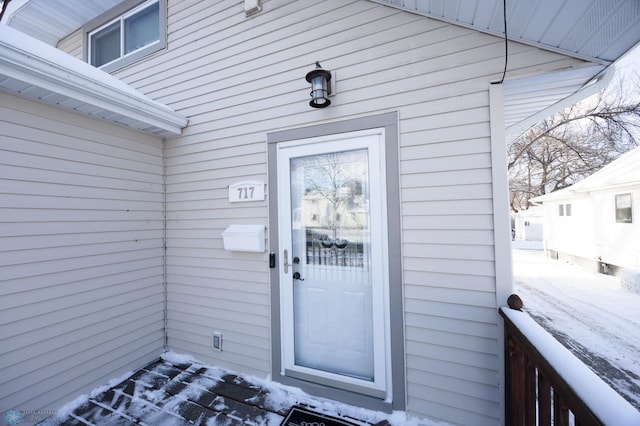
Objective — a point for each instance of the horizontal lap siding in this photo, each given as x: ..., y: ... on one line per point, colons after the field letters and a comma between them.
x: 450, y: 300
x: 452, y: 340
x: 239, y: 78
x: 81, y: 253
x: 449, y: 271
x: 72, y: 44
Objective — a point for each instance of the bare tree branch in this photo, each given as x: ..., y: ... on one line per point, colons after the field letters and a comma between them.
x: 573, y: 144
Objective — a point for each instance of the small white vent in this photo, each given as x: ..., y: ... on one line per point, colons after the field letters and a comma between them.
x: 217, y: 341
x: 251, y: 7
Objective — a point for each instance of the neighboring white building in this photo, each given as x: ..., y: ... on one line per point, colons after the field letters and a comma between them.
x: 595, y: 221
x: 116, y: 189
x: 528, y: 224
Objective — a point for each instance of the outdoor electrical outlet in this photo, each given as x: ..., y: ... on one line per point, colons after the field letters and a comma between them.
x: 217, y: 341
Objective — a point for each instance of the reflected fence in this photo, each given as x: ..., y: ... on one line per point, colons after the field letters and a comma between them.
x: 323, y: 250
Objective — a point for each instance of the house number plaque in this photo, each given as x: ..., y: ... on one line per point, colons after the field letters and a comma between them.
x: 243, y: 192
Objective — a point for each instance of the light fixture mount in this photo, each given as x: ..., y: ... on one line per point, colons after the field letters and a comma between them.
x: 320, y: 87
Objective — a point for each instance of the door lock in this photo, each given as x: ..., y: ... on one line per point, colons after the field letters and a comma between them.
x: 296, y: 276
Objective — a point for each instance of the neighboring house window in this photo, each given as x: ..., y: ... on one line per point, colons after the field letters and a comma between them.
x: 564, y: 209
x: 624, y: 213
x: 129, y: 32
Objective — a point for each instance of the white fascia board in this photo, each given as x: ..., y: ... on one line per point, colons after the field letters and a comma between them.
x: 36, y: 63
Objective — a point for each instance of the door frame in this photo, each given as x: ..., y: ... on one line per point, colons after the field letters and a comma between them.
x: 395, y: 395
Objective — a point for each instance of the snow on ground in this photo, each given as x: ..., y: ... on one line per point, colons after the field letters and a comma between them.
x: 590, y: 313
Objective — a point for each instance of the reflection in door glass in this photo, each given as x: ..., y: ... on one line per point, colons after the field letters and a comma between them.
x: 330, y: 198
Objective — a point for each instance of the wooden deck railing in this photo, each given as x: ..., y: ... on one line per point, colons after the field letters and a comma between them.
x: 547, y: 385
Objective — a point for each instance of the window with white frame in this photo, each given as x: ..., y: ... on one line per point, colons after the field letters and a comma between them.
x: 624, y: 208
x: 127, y: 33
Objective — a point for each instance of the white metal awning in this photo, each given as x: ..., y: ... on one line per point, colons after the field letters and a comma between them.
x: 35, y: 70
x: 529, y: 100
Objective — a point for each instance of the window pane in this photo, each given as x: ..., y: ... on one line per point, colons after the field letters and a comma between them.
x: 105, y: 45
x: 142, y: 29
x: 624, y: 213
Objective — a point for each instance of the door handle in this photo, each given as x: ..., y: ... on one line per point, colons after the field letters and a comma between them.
x: 286, y: 265
x: 296, y: 276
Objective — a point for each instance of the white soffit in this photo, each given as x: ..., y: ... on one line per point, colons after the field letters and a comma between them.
x: 51, y: 20
x: 35, y: 70
x: 530, y: 100
x: 597, y: 31
x: 594, y: 30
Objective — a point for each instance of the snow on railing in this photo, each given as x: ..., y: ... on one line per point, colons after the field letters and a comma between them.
x: 547, y: 385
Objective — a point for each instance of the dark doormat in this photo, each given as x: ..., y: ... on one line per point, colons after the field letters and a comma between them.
x: 299, y: 416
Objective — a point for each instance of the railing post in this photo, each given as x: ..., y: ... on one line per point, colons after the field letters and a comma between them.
x: 514, y: 376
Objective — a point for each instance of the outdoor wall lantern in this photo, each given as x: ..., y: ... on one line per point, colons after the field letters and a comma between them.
x: 320, y: 87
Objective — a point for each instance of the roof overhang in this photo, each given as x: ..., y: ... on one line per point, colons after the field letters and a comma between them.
x: 51, y: 20
x: 35, y: 70
x: 597, y: 31
x: 529, y: 100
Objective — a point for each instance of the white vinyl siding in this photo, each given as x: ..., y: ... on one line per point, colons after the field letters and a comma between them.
x: 81, y: 232
x: 239, y: 78
x: 72, y: 44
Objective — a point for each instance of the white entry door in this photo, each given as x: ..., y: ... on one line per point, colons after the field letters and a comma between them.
x: 333, y: 274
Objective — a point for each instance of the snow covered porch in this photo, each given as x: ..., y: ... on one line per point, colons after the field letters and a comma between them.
x: 545, y: 385
x: 176, y: 389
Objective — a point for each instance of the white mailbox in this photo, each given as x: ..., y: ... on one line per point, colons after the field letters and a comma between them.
x: 244, y: 238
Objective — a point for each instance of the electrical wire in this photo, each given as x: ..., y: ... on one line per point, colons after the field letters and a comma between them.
x: 3, y: 8
x: 506, y: 42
